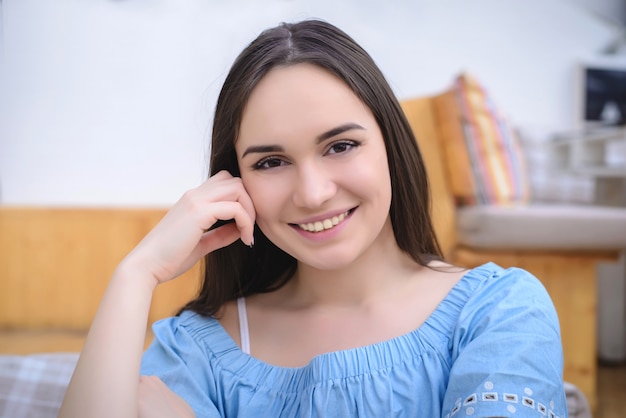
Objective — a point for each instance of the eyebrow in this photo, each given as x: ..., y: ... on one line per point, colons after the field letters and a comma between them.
x: 318, y: 140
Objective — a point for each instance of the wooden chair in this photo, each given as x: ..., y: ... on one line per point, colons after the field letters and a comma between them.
x: 569, y: 276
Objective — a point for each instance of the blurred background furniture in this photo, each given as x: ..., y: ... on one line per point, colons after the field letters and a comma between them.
x: 595, y: 154
x: 577, y: 404
x: 560, y: 243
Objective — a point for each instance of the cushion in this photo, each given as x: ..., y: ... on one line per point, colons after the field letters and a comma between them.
x: 484, y: 157
x: 33, y: 386
x: 542, y: 227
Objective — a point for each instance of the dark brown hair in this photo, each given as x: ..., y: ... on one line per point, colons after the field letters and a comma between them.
x: 238, y: 270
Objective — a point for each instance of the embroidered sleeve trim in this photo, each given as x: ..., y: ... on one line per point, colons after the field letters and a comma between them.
x: 467, y: 406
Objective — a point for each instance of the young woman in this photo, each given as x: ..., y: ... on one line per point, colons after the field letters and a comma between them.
x: 324, y: 294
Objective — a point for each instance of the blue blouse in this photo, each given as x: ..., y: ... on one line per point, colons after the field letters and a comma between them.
x: 492, y: 348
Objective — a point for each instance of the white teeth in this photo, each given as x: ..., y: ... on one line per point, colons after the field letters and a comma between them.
x: 324, y: 224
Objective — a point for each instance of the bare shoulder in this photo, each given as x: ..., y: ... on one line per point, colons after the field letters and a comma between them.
x: 441, y: 271
x: 434, y: 282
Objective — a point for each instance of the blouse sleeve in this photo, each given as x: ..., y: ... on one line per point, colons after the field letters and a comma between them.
x: 506, y: 352
x: 177, y: 359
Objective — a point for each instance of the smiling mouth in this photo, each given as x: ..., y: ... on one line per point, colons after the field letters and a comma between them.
x: 324, y: 224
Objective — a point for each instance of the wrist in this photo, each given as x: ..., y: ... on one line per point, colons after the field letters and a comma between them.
x: 131, y: 270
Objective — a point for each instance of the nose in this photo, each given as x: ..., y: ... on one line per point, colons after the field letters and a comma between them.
x: 314, y: 186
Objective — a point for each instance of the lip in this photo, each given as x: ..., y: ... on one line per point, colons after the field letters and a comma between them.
x: 327, y: 233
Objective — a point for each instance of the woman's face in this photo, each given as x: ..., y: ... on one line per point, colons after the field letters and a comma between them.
x: 313, y: 160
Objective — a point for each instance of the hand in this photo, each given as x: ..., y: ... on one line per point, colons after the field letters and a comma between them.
x: 182, y: 237
x: 156, y: 400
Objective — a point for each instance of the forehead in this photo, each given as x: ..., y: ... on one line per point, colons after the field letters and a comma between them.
x: 300, y: 100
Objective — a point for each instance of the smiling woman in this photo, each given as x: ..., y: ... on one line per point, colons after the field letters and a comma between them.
x: 327, y: 295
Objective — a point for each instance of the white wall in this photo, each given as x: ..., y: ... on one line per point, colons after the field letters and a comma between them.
x: 613, y: 11
x: 109, y: 102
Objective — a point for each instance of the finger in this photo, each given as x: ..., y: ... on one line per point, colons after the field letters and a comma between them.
x: 246, y: 202
x: 233, y: 210
x: 247, y: 229
x: 218, y: 238
x: 223, y: 186
x: 222, y: 174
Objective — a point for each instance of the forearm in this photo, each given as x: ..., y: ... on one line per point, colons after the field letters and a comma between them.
x: 106, y: 379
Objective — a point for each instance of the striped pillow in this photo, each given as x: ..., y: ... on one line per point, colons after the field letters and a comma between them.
x: 491, y: 167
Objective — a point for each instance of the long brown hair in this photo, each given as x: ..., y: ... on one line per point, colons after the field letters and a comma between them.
x: 238, y: 270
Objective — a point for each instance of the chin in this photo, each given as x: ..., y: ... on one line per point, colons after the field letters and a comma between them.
x: 331, y: 260
x: 323, y: 257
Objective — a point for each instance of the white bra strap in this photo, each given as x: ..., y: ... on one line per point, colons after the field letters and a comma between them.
x: 243, y: 325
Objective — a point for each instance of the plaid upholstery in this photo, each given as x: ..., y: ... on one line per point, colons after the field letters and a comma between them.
x: 33, y: 386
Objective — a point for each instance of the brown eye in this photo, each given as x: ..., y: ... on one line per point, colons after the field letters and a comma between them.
x: 341, y: 147
x: 269, y: 162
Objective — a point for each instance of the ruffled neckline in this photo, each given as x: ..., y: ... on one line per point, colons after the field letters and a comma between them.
x: 431, y: 338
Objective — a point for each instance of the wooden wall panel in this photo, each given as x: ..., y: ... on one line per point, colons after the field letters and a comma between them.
x: 55, y: 264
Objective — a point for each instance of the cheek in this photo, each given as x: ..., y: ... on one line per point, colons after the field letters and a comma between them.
x: 372, y: 178
x: 382, y: 168
x: 380, y: 191
x: 264, y: 196
x: 267, y: 205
